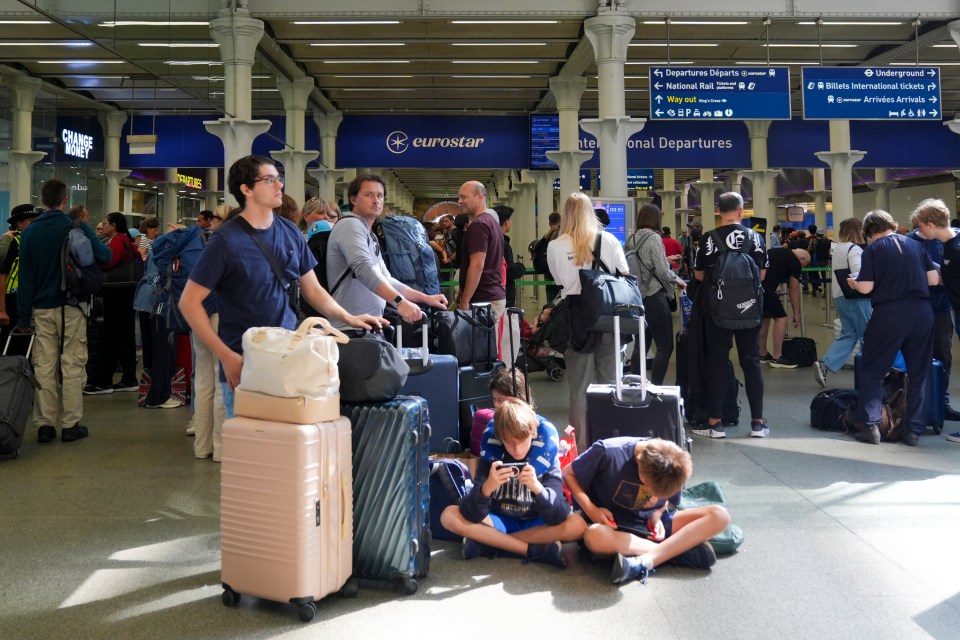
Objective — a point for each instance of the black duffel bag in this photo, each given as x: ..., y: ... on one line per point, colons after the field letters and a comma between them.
x: 371, y: 369
x: 456, y: 332
x: 801, y: 351
x: 828, y: 408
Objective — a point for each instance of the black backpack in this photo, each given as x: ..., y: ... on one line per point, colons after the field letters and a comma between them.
x: 734, y: 297
x: 538, y: 253
x: 821, y: 248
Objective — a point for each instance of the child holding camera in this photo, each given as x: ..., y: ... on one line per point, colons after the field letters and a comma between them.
x: 622, y: 486
x: 517, y: 503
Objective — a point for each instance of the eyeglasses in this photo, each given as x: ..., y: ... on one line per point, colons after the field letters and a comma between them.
x: 270, y: 180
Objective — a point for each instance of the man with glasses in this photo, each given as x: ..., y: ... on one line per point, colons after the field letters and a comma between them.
x: 249, y: 293
x: 357, y: 275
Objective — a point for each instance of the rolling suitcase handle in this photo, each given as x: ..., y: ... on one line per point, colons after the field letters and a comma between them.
x: 517, y: 311
x: 480, y: 313
x: 425, y: 352
x: 31, y: 335
x: 641, y: 342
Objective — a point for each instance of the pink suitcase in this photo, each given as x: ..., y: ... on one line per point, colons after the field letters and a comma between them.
x: 286, y: 511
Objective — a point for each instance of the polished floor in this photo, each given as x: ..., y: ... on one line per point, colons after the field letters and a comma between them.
x: 116, y: 537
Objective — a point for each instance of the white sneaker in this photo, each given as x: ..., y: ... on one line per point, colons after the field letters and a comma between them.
x: 759, y: 430
x: 191, y: 431
x: 715, y: 431
x: 820, y: 373
x: 169, y: 403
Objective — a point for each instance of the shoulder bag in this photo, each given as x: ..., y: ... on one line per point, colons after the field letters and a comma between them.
x: 290, y: 286
x: 289, y: 364
x: 670, y: 291
x: 126, y: 275
x: 841, y: 275
x: 601, y: 291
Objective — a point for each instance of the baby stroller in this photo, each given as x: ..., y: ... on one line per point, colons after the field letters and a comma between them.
x: 543, y: 349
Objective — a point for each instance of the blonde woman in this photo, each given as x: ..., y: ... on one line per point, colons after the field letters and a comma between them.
x: 589, y: 359
x: 317, y: 209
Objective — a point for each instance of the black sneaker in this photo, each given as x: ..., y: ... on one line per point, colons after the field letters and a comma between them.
x: 768, y: 357
x: 93, y: 390
x: 126, y: 386
x: 46, y: 434
x: 551, y: 553
x: 76, y: 432
x: 472, y: 549
x: 626, y: 568
x: 951, y: 414
x: 759, y: 429
x: 701, y: 556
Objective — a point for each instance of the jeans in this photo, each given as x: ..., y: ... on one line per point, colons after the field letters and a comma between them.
x: 854, y: 315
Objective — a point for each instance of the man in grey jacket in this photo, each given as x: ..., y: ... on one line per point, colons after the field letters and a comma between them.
x: 356, y: 273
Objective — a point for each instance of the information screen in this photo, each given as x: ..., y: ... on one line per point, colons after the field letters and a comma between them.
x: 544, y: 136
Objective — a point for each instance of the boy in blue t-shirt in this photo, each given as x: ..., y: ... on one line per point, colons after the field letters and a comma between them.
x: 622, y: 486
x: 517, y: 503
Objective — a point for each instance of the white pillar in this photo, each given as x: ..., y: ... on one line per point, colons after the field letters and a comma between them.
x: 610, y: 36
x: 668, y: 201
x: 295, y: 94
x: 883, y: 187
x: 708, y: 188
x: 545, y: 205
x: 761, y: 177
x: 567, y: 91
x: 819, y: 195
x: 211, y: 189
x: 171, y: 193
x: 22, y: 155
x: 112, y: 124
x: 238, y: 35
x: 841, y: 160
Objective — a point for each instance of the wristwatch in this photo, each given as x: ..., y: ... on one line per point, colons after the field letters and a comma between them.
x: 398, y: 300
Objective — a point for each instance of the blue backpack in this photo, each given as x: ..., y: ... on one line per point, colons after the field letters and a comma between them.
x: 172, y: 257
x: 408, y: 254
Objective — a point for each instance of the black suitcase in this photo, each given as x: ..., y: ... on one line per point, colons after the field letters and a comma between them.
x: 632, y: 407
x: 693, y: 404
x: 17, y: 388
x: 391, y: 491
x: 475, y: 377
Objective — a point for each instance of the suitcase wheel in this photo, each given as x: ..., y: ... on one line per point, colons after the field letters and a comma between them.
x: 230, y: 597
x: 409, y: 586
x: 350, y: 589
x: 556, y: 372
x: 307, y: 611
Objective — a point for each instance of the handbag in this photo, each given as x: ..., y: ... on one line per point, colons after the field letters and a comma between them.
x: 289, y: 364
x: 371, y: 369
x: 710, y: 493
x: 841, y: 275
x: 126, y: 275
x: 601, y: 291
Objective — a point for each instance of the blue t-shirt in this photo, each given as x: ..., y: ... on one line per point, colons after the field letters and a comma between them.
x: 248, y: 293
x: 934, y: 249
x: 898, y: 267
x: 608, y: 473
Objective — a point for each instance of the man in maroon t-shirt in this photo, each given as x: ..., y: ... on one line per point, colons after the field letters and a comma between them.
x: 481, y: 260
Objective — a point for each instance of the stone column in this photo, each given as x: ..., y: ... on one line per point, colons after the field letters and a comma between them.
x: 525, y: 214
x: 668, y: 201
x: 327, y: 175
x: 841, y: 160
x: 22, y: 155
x: 883, y: 187
x: 112, y: 124
x: 212, y: 189
x: 610, y: 35
x: 761, y: 177
x: 819, y: 195
x: 237, y: 34
x: 544, y: 205
x: 567, y: 91
x: 171, y: 193
x: 294, y: 158
x: 708, y: 188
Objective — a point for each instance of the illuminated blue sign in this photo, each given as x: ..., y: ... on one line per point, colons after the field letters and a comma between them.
x: 871, y: 93
x: 719, y: 93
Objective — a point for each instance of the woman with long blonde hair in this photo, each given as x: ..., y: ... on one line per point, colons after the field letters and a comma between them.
x: 590, y: 358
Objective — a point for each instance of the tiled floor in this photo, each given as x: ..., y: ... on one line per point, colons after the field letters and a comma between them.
x: 116, y: 536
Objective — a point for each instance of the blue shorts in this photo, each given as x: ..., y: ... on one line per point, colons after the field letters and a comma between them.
x: 508, y: 525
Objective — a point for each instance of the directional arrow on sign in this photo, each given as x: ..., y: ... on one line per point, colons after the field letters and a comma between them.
x: 931, y: 73
x: 657, y: 85
x: 659, y: 98
x: 933, y: 112
x: 933, y: 99
x: 657, y: 72
x: 658, y: 112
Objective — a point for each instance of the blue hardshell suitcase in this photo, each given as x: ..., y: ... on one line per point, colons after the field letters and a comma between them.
x: 391, y: 491
x: 935, y: 391
x: 434, y: 378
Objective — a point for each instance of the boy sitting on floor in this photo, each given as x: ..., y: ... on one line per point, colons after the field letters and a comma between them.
x: 517, y: 503
x: 622, y: 486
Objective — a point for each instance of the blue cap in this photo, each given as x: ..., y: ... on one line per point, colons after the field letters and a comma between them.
x: 318, y: 226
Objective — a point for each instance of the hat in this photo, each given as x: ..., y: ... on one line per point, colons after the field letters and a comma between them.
x: 318, y: 226
x: 22, y: 212
x: 134, y: 233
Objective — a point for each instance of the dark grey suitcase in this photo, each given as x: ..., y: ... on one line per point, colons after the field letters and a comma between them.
x: 632, y: 407
x: 17, y: 388
x: 391, y: 491
x: 475, y: 378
